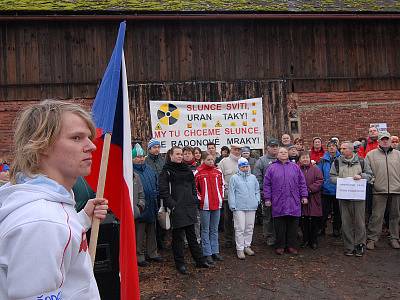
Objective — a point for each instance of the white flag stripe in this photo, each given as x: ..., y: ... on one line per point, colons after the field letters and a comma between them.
x: 127, y: 148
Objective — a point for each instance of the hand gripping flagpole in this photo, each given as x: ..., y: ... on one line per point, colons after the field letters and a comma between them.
x: 94, y: 234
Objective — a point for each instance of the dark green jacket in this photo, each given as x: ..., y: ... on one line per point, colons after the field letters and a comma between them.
x: 83, y: 192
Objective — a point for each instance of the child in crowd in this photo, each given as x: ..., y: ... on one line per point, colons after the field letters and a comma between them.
x: 210, y: 191
x: 243, y: 198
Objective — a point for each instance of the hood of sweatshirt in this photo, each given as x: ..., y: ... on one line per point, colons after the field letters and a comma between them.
x: 243, y: 174
x: 30, y: 189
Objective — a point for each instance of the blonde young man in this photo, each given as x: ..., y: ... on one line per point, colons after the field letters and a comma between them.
x: 43, y: 247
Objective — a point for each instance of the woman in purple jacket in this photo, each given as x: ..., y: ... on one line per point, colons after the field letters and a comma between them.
x: 311, y: 213
x: 285, y: 189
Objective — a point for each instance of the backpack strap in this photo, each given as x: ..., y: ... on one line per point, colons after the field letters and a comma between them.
x: 362, y: 163
x: 336, y: 163
x: 169, y: 181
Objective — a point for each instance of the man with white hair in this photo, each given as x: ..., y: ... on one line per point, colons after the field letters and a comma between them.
x: 229, y: 167
x: 352, y: 211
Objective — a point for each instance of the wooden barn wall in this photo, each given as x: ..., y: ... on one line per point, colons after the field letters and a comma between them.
x: 67, y: 59
x: 274, y: 95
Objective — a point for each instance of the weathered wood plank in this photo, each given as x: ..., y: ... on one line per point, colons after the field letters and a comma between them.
x: 67, y: 59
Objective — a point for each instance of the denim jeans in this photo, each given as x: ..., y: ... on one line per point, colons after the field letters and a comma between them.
x: 209, y: 220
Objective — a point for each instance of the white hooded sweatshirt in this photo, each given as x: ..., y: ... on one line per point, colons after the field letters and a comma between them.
x: 43, y: 248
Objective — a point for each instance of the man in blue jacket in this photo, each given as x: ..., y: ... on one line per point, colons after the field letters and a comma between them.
x: 329, y: 202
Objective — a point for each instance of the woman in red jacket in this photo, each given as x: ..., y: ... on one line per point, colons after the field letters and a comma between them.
x: 209, y: 184
x: 317, y: 151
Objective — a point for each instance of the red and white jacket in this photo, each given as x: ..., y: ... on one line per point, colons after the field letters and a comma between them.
x: 210, y: 187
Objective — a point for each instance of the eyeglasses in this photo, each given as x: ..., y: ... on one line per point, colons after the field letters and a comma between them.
x: 342, y: 148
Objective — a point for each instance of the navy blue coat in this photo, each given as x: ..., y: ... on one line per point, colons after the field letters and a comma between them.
x: 150, y: 188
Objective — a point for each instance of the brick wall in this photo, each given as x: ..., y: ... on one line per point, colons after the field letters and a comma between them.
x: 346, y: 115
x: 8, y: 113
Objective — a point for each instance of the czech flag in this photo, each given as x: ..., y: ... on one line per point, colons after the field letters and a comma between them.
x: 111, y: 115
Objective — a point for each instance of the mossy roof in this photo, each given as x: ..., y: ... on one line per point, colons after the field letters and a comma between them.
x: 208, y: 6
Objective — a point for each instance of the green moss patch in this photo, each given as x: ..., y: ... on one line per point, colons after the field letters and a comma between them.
x: 203, y: 5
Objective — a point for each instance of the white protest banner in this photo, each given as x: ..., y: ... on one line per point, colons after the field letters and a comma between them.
x: 350, y: 189
x: 186, y: 123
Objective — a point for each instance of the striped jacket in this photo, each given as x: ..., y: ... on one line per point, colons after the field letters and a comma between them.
x: 210, y: 187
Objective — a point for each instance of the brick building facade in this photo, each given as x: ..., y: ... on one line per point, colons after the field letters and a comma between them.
x: 320, y: 74
x: 346, y: 115
x: 8, y: 113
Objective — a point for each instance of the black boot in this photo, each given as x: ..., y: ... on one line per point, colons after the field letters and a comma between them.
x: 203, y: 264
x: 217, y: 257
x: 336, y: 233
x: 182, y: 269
x: 143, y: 263
x: 209, y: 260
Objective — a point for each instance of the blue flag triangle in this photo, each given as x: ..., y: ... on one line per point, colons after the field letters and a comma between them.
x: 104, y: 105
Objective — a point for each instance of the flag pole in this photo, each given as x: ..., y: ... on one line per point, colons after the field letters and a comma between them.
x: 99, y: 194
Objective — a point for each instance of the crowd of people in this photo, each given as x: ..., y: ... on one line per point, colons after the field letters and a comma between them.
x: 290, y: 189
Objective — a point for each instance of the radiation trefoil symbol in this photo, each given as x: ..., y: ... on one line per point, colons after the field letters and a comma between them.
x: 168, y: 114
